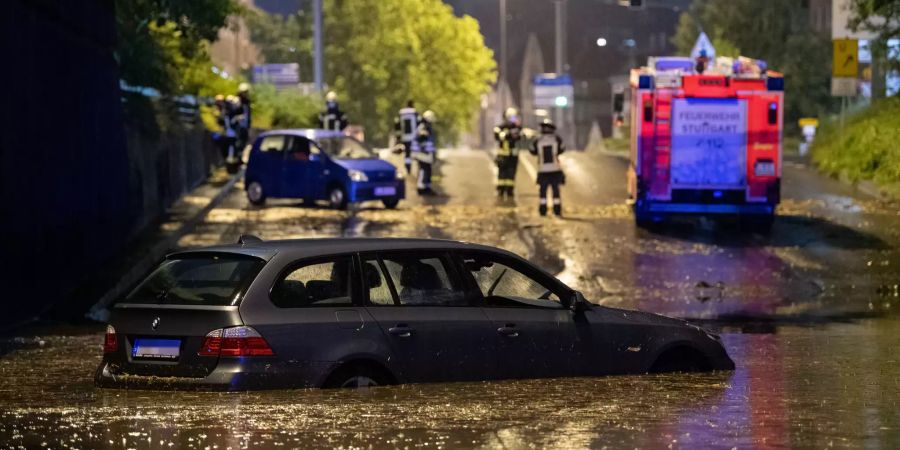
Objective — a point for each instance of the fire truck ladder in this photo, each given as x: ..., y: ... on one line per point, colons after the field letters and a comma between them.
x: 662, y: 143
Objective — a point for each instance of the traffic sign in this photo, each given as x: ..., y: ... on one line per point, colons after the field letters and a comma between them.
x: 552, y: 90
x: 844, y: 87
x: 845, y: 62
x: 705, y: 46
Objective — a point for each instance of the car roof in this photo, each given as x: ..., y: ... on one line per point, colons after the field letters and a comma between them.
x: 303, y: 248
x: 309, y: 133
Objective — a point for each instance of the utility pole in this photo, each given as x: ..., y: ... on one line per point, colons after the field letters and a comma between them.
x: 560, y: 41
x: 317, y: 44
x: 503, y: 72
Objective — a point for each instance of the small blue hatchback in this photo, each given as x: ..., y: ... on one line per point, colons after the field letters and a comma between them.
x: 319, y: 165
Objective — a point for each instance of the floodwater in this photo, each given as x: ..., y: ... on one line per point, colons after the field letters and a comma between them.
x: 829, y: 385
x: 809, y: 313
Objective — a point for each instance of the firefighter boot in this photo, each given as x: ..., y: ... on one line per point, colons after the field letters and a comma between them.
x: 557, y: 209
x: 542, y: 208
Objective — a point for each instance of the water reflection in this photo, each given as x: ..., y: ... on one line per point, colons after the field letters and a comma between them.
x: 801, y: 386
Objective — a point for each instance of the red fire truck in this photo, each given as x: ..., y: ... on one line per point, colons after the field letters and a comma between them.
x: 705, y: 143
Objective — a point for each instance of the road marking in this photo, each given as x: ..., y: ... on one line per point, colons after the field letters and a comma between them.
x: 529, y: 167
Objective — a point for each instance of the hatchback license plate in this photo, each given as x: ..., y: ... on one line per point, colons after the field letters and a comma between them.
x: 156, y: 348
x: 385, y: 191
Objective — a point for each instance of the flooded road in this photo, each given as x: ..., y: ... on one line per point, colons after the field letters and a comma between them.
x: 809, y: 314
x: 834, y: 385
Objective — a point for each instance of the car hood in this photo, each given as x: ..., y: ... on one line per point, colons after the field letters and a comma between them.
x: 366, y: 165
x: 646, y: 318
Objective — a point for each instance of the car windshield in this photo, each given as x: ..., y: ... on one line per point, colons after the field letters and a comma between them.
x: 216, y: 279
x: 345, y: 148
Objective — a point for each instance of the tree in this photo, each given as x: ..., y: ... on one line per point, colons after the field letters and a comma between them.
x: 283, y: 39
x: 775, y: 31
x: 877, y: 16
x: 159, y: 38
x: 382, y: 52
x: 881, y: 17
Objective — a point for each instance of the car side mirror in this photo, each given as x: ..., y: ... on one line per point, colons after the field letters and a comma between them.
x: 578, y: 303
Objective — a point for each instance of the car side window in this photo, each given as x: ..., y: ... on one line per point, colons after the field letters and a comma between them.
x: 417, y: 280
x: 376, y: 283
x: 300, y: 149
x: 322, y: 283
x: 498, y: 279
x: 272, y: 144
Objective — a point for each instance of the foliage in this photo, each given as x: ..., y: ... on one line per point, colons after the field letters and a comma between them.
x: 159, y: 38
x: 878, y: 16
x: 284, y: 109
x: 775, y: 31
x: 866, y: 148
x: 283, y: 39
x: 382, y: 52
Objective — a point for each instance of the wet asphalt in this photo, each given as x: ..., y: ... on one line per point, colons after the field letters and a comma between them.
x: 808, y: 313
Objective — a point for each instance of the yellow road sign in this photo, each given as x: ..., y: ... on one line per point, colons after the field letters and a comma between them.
x: 846, y: 58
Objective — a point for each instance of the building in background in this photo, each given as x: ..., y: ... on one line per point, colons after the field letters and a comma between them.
x: 820, y: 15
x: 627, y: 45
x: 233, y: 51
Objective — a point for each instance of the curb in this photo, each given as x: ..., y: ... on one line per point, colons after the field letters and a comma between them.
x: 99, y: 311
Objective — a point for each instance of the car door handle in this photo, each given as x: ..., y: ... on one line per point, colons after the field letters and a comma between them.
x: 509, y: 330
x: 400, y: 331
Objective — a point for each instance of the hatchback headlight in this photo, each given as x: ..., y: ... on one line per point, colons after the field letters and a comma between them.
x: 358, y: 176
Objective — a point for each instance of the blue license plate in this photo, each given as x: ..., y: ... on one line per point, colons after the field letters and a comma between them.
x: 385, y: 191
x: 156, y: 348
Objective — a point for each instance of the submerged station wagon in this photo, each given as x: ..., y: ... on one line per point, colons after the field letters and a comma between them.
x: 319, y: 165
x: 362, y: 312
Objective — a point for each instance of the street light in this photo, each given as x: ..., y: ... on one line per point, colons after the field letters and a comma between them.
x: 601, y: 42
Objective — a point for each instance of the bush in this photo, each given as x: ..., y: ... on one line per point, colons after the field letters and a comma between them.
x: 868, y: 147
x: 284, y: 109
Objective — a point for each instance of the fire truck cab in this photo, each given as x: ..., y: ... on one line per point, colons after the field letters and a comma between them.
x: 705, y: 143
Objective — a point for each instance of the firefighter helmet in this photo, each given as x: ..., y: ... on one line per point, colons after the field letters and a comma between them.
x: 428, y: 115
x: 547, y: 126
x: 243, y: 87
x: 510, y: 113
x: 331, y: 96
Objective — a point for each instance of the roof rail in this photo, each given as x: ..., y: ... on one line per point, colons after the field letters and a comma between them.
x: 248, y: 239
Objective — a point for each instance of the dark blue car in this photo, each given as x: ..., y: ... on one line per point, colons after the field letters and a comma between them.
x: 319, y: 165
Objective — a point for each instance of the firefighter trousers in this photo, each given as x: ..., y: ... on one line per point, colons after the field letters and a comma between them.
x: 557, y: 199
x: 506, y: 174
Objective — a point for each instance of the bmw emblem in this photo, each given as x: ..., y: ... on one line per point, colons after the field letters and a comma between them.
x: 155, y: 323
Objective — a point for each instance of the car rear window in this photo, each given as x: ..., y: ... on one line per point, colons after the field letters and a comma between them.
x: 207, y: 279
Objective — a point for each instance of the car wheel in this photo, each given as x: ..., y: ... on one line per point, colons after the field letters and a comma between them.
x: 391, y: 203
x: 255, y: 193
x: 356, y: 377
x: 337, y: 198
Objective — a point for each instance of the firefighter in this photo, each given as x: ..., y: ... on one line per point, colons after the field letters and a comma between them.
x: 244, y: 115
x: 225, y: 118
x: 547, y: 147
x: 701, y: 62
x: 426, y: 151
x: 332, y: 118
x: 507, y: 134
x: 406, y: 124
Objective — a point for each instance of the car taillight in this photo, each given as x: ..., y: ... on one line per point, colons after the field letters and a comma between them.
x: 235, y: 341
x: 110, y: 341
x: 212, y: 343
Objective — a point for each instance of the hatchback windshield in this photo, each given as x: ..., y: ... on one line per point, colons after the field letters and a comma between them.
x: 197, y: 280
x: 345, y: 148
